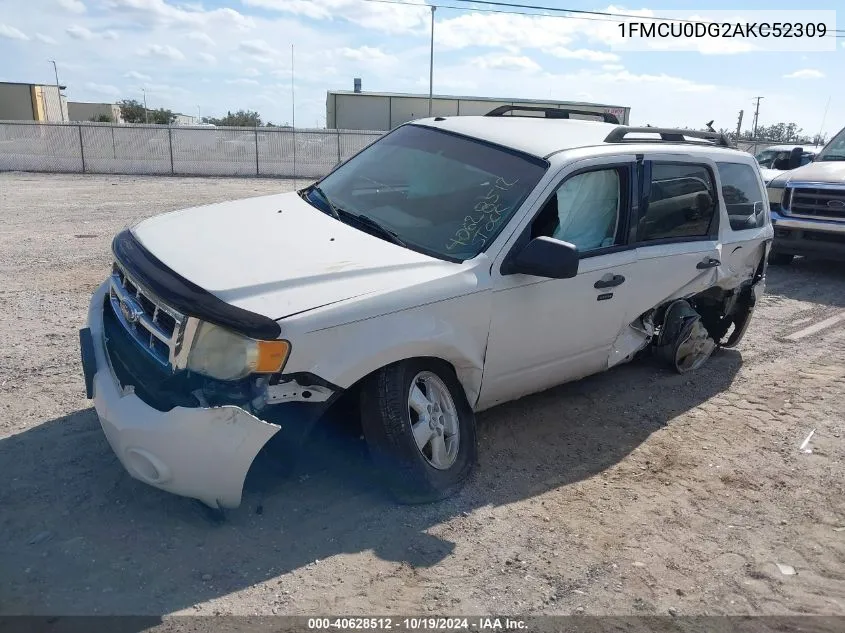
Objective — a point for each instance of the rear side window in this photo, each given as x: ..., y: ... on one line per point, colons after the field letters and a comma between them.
x: 681, y: 203
x: 743, y: 197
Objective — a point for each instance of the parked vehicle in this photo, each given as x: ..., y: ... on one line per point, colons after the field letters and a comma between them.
x: 776, y: 159
x: 808, y: 207
x: 454, y: 264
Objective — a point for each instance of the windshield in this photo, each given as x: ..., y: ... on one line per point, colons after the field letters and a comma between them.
x: 835, y: 150
x: 779, y: 159
x: 439, y: 193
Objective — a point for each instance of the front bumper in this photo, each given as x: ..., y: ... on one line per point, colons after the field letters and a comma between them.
x: 203, y: 453
x: 805, y: 236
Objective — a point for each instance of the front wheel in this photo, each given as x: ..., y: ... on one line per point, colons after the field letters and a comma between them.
x: 420, y: 429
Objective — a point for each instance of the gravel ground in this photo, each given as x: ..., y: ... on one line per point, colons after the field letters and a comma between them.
x: 633, y: 492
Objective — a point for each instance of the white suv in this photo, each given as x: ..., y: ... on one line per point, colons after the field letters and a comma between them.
x: 453, y: 264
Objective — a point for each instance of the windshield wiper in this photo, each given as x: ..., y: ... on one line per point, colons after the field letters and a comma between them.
x: 382, y: 230
x: 333, y: 211
x: 339, y: 214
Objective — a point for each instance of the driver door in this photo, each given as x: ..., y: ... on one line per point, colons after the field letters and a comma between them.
x: 544, y: 332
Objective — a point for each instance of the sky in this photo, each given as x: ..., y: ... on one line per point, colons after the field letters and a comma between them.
x: 211, y: 56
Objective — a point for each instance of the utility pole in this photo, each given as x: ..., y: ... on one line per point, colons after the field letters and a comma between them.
x: 739, y: 124
x: 146, y: 115
x: 292, y: 93
x: 431, y: 65
x: 58, y: 89
x: 199, y: 115
x: 756, y: 116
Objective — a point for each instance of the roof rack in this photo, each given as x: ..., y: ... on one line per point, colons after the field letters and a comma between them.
x: 553, y: 113
x: 667, y: 135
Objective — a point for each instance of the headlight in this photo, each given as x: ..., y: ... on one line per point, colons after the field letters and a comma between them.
x: 775, y: 195
x: 225, y: 355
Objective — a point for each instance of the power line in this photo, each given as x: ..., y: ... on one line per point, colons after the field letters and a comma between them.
x: 480, y: 10
x: 535, y: 7
x: 558, y: 12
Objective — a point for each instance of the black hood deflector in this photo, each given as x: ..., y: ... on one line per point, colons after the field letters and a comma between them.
x: 184, y: 295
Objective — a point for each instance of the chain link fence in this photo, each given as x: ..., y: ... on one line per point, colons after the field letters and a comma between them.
x: 103, y: 148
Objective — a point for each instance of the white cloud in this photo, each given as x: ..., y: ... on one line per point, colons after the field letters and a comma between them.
x: 134, y: 74
x: 364, y: 53
x: 612, y: 67
x: 208, y: 58
x: 161, y: 12
x: 74, y: 6
x: 79, y: 32
x: 242, y: 82
x: 164, y: 51
x: 506, y: 62
x: 260, y: 51
x: 203, y: 38
x: 45, y: 38
x: 583, y: 53
x: 252, y: 72
x: 805, y: 73
x: 104, y: 89
x: 12, y: 33
x: 110, y: 35
x: 370, y: 15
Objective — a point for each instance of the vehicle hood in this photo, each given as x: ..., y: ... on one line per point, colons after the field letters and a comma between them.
x: 769, y: 174
x: 278, y: 256
x: 822, y: 171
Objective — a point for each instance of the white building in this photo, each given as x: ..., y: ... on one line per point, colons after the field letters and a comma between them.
x: 354, y: 110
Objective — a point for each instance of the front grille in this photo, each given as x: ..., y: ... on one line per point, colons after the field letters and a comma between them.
x: 156, y: 328
x: 817, y: 202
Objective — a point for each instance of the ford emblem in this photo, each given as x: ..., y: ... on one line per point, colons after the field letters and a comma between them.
x: 836, y: 204
x: 131, y: 310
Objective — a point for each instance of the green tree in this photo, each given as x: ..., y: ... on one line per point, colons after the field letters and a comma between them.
x: 162, y: 116
x: 131, y: 111
x: 102, y: 118
x: 241, y: 118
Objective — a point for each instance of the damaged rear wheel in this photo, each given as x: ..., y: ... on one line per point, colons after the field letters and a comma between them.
x: 684, y: 343
x: 420, y: 429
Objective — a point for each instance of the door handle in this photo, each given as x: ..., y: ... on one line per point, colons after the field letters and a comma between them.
x: 708, y: 263
x: 611, y: 282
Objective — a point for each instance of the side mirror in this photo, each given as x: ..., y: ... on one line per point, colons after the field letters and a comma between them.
x: 545, y: 257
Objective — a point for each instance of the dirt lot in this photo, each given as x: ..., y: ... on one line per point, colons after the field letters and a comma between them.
x: 635, y: 492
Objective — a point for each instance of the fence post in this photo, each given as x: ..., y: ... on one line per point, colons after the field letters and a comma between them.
x: 81, y: 148
x: 337, y: 132
x: 257, y: 170
x: 170, y: 139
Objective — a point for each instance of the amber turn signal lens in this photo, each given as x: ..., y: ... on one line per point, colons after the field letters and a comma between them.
x: 271, y: 356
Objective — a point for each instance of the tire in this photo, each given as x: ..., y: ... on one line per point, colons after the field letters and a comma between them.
x: 780, y: 259
x: 435, y: 471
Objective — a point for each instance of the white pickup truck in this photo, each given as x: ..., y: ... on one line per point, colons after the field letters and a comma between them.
x: 454, y: 264
x: 808, y: 207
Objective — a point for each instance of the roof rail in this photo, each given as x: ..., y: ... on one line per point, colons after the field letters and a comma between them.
x: 667, y: 135
x: 553, y: 113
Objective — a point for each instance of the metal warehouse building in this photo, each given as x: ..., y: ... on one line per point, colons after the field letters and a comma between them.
x: 83, y: 111
x: 32, y: 102
x: 352, y: 110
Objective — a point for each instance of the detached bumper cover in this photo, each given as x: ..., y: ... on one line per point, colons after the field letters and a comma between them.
x: 203, y: 453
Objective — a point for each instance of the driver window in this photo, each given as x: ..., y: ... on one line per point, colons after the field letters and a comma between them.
x: 584, y: 211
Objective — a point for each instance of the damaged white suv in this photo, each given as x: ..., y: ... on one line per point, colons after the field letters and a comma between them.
x: 454, y: 264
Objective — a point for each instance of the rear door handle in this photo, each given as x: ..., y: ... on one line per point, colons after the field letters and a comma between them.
x: 609, y: 282
x: 708, y: 263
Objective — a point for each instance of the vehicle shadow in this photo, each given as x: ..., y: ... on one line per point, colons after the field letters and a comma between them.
x: 82, y: 537
x: 814, y: 280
